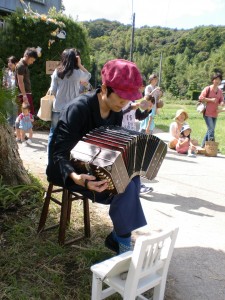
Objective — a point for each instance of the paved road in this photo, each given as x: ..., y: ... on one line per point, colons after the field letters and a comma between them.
x: 189, y: 193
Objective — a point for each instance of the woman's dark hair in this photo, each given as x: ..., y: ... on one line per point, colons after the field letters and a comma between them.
x: 68, y: 63
x: 12, y: 59
x: 109, y: 91
x: 216, y: 75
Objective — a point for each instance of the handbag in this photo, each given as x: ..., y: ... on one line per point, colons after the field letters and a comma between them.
x: 45, y: 110
x: 201, y: 106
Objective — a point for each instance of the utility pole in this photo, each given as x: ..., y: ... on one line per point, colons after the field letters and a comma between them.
x: 132, y: 38
x: 160, y: 70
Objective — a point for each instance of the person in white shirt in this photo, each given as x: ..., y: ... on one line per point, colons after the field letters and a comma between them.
x: 175, y: 127
x: 65, y: 83
x: 139, y: 111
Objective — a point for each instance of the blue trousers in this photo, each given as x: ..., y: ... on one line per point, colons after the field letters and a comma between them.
x: 125, y: 209
x: 210, y: 134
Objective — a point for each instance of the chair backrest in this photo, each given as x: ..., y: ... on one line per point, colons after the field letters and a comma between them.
x: 150, y: 259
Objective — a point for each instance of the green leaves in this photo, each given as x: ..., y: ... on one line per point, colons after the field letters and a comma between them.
x: 11, y: 196
x: 22, y: 31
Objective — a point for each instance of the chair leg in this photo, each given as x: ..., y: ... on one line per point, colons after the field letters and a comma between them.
x: 159, y: 291
x: 96, y: 288
x: 45, y: 208
x: 87, y: 226
x: 63, y: 217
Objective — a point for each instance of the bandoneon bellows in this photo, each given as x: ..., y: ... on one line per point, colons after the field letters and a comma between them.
x: 117, y: 155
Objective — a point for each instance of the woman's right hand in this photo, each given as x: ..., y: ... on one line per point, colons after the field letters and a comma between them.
x: 89, y: 182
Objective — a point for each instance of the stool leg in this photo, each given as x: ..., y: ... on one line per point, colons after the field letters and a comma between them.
x: 45, y: 208
x: 87, y: 227
x: 69, y: 208
x: 63, y: 217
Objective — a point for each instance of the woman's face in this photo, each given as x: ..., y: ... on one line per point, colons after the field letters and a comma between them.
x: 11, y: 66
x: 154, y: 81
x: 181, y: 117
x: 113, y: 101
x: 217, y: 81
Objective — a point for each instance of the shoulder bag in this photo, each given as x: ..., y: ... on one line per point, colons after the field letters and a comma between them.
x: 201, y: 106
x: 45, y: 110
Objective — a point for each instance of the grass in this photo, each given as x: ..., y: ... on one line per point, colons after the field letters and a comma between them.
x: 36, y: 267
x: 195, y: 121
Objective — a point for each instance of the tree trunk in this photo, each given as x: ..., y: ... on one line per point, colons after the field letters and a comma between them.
x: 11, y: 165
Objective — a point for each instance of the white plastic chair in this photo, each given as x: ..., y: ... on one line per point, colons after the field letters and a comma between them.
x: 146, y: 266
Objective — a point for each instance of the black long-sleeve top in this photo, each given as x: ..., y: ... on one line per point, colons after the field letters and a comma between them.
x: 79, y: 117
x: 139, y: 114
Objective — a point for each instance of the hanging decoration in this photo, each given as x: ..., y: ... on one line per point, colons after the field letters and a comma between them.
x: 50, y: 42
x: 61, y: 34
x: 38, y: 49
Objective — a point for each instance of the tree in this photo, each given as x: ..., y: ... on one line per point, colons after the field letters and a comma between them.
x: 12, y: 170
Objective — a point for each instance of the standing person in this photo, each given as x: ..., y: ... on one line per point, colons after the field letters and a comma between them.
x: 213, y: 100
x: 131, y: 112
x: 65, y: 83
x: 147, y: 125
x: 10, y: 83
x: 152, y: 88
x: 175, y: 127
x: 23, y: 77
x: 121, y: 81
x: 25, y: 120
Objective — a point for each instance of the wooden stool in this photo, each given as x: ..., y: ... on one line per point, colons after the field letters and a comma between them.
x: 66, y: 204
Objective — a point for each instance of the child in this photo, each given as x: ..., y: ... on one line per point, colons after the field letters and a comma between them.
x: 137, y: 111
x: 24, y: 121
x: 184, y: 144
x: 147, y: 125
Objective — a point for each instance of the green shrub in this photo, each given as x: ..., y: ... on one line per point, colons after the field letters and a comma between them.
x: 27, y: 30
x: 195, y: 95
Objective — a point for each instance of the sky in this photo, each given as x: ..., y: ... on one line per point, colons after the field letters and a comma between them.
x: 180, y: 14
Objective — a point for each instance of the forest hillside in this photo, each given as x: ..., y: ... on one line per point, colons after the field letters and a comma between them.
x: 188, y: 56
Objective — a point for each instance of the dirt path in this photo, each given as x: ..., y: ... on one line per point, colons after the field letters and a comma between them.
x: 34, y: 156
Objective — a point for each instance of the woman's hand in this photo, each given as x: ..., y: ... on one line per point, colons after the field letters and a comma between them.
x: 89, y: 182
x: 134, y: 106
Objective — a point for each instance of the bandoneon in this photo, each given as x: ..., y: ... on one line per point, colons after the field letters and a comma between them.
x: 117, y: 155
